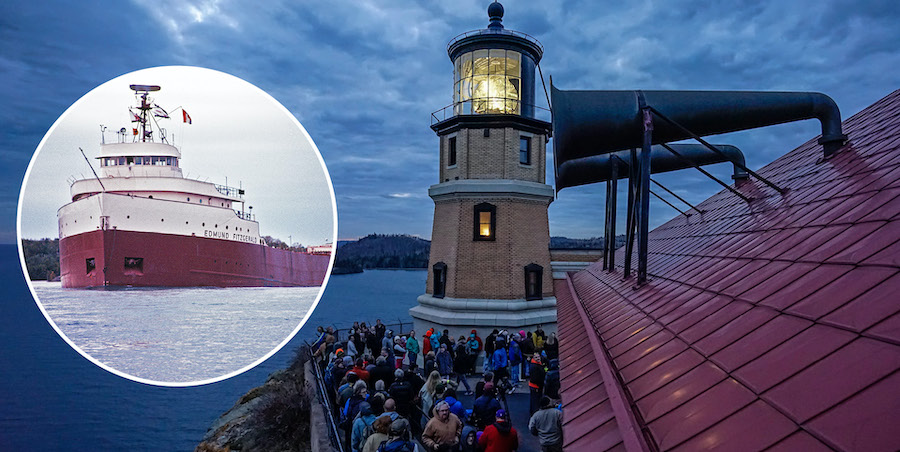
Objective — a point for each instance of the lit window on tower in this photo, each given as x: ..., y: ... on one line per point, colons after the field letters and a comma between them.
x: 485, y: 221
x: 488, y: 82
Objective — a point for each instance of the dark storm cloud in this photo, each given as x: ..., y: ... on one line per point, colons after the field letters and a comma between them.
x: 363, y: 77
x: 52, y: 54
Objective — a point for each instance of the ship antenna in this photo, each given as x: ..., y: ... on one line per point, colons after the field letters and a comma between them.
x: 92, y: 169
x: 143, y: 91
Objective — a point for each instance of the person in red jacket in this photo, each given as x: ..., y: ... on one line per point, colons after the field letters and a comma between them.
x: 499, y: 437
x: 426, y: 342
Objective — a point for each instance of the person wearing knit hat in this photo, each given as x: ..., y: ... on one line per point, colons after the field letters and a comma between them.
x: 360, y: 425
x: 501, y: 436
x: 398, y: 438
x: 399, y: 350
x: 485, y: 407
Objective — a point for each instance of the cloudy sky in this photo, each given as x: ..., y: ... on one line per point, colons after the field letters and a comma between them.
x: 363, y: 76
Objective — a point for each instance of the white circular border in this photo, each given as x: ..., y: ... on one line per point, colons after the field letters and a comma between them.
x: 176, y: 384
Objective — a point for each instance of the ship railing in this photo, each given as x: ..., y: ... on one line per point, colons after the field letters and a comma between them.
x: 230, y: 191
x: 490, y: 106
x: 244, y: 215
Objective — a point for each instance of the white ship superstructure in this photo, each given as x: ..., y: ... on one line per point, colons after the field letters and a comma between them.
x: 140, y: 203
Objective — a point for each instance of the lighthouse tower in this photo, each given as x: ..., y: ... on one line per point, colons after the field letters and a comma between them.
x: 490, y: 258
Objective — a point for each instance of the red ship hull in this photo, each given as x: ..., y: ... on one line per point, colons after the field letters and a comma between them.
x: 126, y: 258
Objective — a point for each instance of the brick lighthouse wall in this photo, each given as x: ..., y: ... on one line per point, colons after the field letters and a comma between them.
x: 493, y: 157
x: 491, y: 269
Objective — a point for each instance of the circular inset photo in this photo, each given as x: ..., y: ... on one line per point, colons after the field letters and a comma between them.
x: 176, y: 225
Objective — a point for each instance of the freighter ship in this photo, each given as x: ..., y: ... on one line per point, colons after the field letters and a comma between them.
x: 140, y: 222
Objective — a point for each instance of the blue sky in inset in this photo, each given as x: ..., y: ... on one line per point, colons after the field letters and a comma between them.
x: 363, y: 76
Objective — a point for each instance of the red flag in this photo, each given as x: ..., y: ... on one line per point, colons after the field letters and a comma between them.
x: 135, y: 131
x: 187, y: 117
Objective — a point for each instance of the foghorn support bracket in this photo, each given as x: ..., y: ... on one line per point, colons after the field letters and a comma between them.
x: 714, y: 149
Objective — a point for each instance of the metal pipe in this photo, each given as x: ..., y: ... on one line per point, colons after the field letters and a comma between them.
x: 707, y: 174
x: 587, y: 123
x: 598, y: 168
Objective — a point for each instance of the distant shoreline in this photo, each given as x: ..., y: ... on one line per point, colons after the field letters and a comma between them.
x: 339, y: 271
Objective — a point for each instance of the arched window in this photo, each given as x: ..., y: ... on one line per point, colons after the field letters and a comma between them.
x: 534, y: 274
x: 439, y: 280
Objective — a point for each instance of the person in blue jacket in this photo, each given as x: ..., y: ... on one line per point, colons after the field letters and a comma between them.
x: 515, y: 360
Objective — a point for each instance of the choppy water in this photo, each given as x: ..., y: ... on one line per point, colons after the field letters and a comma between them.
x: 177, y: 334
x: 51, y: 398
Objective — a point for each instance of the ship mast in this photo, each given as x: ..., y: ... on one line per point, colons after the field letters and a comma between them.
x: 143, y: 91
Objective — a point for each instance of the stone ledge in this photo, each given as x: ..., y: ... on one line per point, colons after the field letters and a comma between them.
x: 484, y: 313
x: 560, y: 269
x: 481, y: 187
x: 486, y: 304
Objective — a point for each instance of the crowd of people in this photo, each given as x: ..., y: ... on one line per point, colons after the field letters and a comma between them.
x: 384, y: 399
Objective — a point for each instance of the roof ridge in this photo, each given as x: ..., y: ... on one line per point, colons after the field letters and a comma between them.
x: 626, y: 417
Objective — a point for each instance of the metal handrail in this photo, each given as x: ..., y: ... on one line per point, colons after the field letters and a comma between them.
x: 491, y: 31
x: 325, y: 401
x: 244, y: 215
x: 230, y: 191
x: 390, y: 326
x: 450, y: 111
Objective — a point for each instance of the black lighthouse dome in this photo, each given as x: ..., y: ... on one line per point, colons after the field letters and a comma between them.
x: 495, y: 12
x: 493, y: 69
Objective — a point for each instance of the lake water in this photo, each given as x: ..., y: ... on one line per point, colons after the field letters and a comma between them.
x: 52, y: 398
x: 177, y: 334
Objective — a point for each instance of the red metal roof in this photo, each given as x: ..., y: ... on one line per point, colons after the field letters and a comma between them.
x: 773, y: 325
